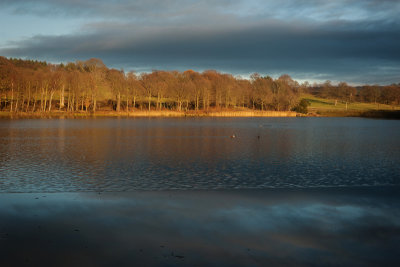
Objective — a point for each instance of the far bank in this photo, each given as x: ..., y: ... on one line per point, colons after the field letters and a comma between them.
x: 383, y: 114
x: 151, y: 113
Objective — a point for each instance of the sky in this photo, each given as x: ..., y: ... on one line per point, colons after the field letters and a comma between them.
x: 357, y: 41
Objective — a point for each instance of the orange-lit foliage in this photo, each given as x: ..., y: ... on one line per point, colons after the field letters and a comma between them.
x: 34, y: 86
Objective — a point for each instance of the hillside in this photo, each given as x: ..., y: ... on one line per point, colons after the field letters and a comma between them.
x: 326, y: 107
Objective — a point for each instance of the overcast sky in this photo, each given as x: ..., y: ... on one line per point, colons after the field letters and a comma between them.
x: 357, y: 41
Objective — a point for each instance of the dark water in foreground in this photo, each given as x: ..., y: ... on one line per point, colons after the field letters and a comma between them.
x: 155, y: 154
x: 181, y: 192
x: 275, y: 227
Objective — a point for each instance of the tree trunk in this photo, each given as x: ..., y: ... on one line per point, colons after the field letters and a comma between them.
x: 45, y: 99
x: 12, y: 96
x: 41, y: 99
x: 119, y: 102
x: 179, y: 105
x: 16, y: 103
x: 149, y: 101
x: 87, y: 103
x: 62, y: 97
x: 51, y: 98
x: 94, y: 104
x: 158, y: 101
x: 73, y: 103
x: 76, y: 102
x: 34, y: 101
x: 29, y: 98
x: 69, y: 102
x: 204, y: 102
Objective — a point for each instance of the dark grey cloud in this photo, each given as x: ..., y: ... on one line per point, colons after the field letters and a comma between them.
x: 345, y: 49
x: 350, y: 40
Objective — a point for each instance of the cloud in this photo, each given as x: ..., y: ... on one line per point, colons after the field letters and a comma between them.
x: 118, y: 9
x: 178, y: 9
x: 350, y: 40
x: 339, y: 48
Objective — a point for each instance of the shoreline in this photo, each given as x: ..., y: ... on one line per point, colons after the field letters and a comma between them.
x: 377, y: 114
x: 152, y: 113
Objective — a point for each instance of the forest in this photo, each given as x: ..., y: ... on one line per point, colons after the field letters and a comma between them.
x: 90, y: 86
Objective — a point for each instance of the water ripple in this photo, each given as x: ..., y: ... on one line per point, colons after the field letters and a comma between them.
x: 163, y: 154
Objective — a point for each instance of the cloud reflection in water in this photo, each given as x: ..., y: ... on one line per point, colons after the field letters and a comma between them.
x: 217, y: 228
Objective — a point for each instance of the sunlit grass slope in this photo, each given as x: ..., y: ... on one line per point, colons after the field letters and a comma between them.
x: 327, y: 107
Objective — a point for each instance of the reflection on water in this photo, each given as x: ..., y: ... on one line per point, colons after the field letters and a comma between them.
x: 196, y: 153
x: 321, y: 227
x: 334, y: 219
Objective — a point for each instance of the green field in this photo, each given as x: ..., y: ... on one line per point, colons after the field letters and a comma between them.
x: 327, y: 107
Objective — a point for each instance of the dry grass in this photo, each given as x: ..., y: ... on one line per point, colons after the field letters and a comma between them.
x: 152, y: 113
x: 253, y: 113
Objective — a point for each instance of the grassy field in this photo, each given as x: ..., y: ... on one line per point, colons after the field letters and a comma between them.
x: 327, y: 107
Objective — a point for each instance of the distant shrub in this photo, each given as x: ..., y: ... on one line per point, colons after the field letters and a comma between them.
x: 302, y: 107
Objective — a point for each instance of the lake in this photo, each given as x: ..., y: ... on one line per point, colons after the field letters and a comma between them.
x: 199, y: 192
x: 117, y: 155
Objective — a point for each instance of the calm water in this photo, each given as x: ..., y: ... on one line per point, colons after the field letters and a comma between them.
x: 115, y: 155
x: 269, y: 227
x: 292, y: 192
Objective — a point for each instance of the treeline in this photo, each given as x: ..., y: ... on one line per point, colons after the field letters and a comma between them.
x: 388, y: 94
x: 32, y: 86
x: 35, y: 86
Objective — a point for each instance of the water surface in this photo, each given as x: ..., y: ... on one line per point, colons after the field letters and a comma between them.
x: 183, y: 192
x: 75, y: 155
x: 268, y: 227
